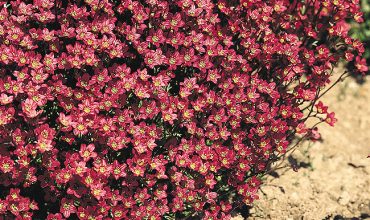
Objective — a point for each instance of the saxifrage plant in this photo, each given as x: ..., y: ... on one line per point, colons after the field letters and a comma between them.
x: 362, y: 31
x: 158, y: 109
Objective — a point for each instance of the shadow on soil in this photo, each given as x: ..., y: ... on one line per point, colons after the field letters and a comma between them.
x: 363, y: 216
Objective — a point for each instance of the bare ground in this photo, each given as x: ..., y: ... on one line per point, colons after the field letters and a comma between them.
x: 333, y: 181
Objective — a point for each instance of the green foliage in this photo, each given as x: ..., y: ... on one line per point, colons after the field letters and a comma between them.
x: 362, y: 31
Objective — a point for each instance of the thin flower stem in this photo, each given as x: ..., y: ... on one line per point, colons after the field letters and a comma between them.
x: 341, y: 78
x: 290, y: 151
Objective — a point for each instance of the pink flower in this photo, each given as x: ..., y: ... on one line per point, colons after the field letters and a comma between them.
x: 6, y: 164
x: 361, y: 64
x: 330, y: 118
x: 44, y: 145
x: 29, y: 108
x: 87, y: 151
x: 67, y: 208
x: 321, y: 108
x: 80, y: 127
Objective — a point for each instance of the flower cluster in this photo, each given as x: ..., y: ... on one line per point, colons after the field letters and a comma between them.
x: 362, y: 32
x: 151, y: 109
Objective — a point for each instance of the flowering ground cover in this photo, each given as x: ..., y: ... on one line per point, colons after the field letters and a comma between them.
x: 159, y: 109
x: 334, y: 171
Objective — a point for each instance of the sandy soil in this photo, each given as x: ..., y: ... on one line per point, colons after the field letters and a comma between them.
x: 333, y: 181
